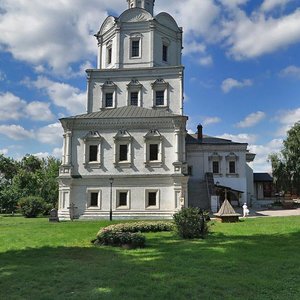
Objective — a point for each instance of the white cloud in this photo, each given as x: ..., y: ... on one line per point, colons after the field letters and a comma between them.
x: 57, y: 152
x: 287, y: 119
x: 16, y: 132
x: 39, y: 111
x: 233, y: 3
x: 11, y: 107
x: 239, y: 138
x: 57, y: 32
x: 251, y: 120
x: 211, y: 120
x: 4, y: 151
x: 194, y: 47
x: 269, y: 5
x: 291, y: 71
x: 14, y: 108
x: 250, y: 37
x: 50, y: 134
x: 230, y: 83
x: 206, y: 60
x: 262, y: 152
x: 63, y: 95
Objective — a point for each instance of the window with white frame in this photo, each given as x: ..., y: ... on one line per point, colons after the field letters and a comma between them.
x: 123, y: 199
x: 92, y: 149
x: 134, y: 93
x: 232, y: 164
x: 215, y: 163
x: 93, y: 198
x: 165, y: 49
x: 152, y: 200
x: 109, y: 53
x: 160, y: 93
x: 134, y: 98
x: 135, y: 45
x: 232, y: 167
x: 123, y: 149
x: 153, y: 148
x: 216, y: 167
x: 108, y: 94
x: 93, y: 153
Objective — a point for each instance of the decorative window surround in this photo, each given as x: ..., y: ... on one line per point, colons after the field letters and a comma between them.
x: 148, y: 194
x: 119, y: 205
x: 153, y: 137
x: 107, y: 88
x: 232, y: 158
x: 109, y: 53
x: 93, y: 138
x: 123, y: 138
x: 165, y: 50
x: 89, y: 192
x: 135, y: 50
x: 215, y: 157
x: 134, y: 87
x: 160, y: 86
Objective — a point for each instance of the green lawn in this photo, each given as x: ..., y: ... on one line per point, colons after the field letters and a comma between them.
x: 254, y: 259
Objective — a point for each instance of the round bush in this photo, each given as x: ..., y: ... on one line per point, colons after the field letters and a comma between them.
x: 191, y: 223
x: 32, y: 206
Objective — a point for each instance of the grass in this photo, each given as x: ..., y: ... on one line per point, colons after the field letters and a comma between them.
x: 254, y: 259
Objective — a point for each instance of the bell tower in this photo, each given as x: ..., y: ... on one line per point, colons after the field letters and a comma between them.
x: 148, y: 5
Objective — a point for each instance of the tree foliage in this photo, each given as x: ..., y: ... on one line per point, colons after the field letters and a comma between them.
x: 286, y: 164
x: 32, y: 176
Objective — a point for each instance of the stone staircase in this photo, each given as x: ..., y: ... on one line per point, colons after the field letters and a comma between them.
x: 200, y: 192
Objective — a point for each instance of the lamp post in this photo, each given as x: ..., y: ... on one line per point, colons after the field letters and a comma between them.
x: 111, y: 180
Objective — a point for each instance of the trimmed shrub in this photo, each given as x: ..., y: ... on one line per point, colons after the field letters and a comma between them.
x: 116, y: 238
x: 31, y: 206
x: 140, y: 227
x: 130, y: 233
x: 191, y: 223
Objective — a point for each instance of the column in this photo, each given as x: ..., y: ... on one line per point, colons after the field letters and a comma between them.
x: 118, y: 51
x: 177, y: 145
x: 68, y: 148
x: 151, y: 46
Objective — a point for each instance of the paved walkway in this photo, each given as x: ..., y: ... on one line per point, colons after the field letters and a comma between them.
x: 271, y: 212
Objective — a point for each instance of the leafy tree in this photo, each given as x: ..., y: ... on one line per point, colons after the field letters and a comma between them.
x: 8, y: 168
x: 286, y: 164
x: 31, y: 176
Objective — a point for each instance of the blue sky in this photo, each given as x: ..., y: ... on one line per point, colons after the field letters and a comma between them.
x: 241, y: 57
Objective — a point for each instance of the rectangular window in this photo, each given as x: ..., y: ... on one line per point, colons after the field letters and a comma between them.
x: 153, y: 155
x: 232, y: 167
x: 190, y: 170
x: 165, y: 53
x: 93, y: 153
x: 123, y: 199
x: 135, y: 48
x: 215, y: 166
x: 109, y: 55
x: 109, y: 100
x: 134, y: 98
x: 159, y: 98
x: 123, y: 154
x: 94, y: 199
x: 152, y: 198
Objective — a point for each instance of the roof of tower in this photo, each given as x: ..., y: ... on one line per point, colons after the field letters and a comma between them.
x: 193, y: 139
x: 126, y: 112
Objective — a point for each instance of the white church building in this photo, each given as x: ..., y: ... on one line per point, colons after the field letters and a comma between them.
x: 130, y: 155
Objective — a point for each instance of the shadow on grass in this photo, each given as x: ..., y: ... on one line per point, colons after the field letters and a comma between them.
x: 220, y: 267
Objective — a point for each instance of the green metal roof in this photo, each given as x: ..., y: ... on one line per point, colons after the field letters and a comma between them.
x: 126, y: 112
